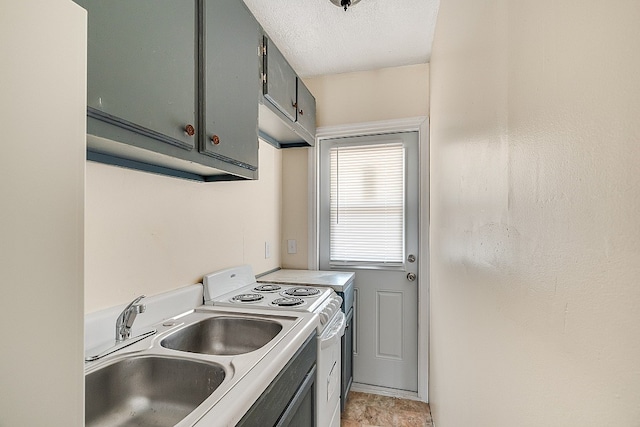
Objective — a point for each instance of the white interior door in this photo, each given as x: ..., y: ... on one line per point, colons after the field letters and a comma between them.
x: 369, y: 208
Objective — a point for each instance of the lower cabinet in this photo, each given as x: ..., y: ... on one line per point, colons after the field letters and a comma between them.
x: 290, y: 398
x: 347, y: 360
x: 301, y: 409
x: 346, y: 379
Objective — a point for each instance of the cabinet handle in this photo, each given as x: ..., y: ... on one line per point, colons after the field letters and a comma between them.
x: 190, y: 130
x: 215, y: 139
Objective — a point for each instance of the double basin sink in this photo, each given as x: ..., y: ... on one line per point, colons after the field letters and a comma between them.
x: 181, y: 372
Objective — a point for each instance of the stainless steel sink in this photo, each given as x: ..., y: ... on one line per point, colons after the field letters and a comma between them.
x: 223, y: 336
x: 148, y: 391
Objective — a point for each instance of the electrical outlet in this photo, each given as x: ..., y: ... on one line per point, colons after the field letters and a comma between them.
x: 292, y: 247
x: 267, y: 250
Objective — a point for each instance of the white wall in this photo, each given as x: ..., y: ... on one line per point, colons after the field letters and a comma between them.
x: 295, y: 207
x: 42, y: 117
x: 535, y: 197
x: 366, y: 96
x: 147, y: 234
x: 369, y: 96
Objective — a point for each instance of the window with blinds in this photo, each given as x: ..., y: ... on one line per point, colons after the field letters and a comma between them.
x: 367, y: 204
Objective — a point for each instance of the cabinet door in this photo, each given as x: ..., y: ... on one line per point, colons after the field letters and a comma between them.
x: 347, y: 361
x: 231, y: 87
x: 306, y: 115
x: 287, y: 393
x: 301, y: 411
x: 280, y: 85
x: 141, y: 66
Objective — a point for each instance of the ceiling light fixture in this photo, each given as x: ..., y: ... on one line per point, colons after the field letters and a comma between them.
x: 344, y: 3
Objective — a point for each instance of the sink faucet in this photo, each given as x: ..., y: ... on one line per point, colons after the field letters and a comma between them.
x: 126, y: 318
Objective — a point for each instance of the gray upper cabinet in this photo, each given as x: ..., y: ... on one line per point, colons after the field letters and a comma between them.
x: 306, y: 112
x: 280, y: 81
x: 288, y: 111
x: 174, y: 87
x: 231, y: 89
x: 141, y: 67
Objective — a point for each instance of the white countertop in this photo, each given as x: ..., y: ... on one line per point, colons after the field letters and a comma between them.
x: 337, y: 280
x: 250, y: 376
x: 232, y: 407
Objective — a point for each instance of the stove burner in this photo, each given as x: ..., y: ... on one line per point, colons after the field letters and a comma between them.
x: 267, y: 288
x: 247, y: 298
x: 288, y: 302
x: 302, y: 292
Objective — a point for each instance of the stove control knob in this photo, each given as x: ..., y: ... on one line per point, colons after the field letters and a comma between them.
x: 324, y: 318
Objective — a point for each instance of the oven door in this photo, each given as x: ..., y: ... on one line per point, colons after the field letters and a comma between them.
x: 329, y: 371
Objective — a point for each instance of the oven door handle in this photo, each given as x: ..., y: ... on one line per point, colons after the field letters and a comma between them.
x: 334, y: 331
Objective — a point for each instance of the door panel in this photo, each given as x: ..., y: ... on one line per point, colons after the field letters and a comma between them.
x: 386, y: 324
x: 389, y: 310
x: 306, y: 108
x: 232, y: 83
x: 387, y: 353
x: 143, y: 80
x: 280, y: 87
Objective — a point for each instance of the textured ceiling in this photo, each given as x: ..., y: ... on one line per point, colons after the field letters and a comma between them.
x: 319, y: 38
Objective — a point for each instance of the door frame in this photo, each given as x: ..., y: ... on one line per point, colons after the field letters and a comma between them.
x: 413, y: 124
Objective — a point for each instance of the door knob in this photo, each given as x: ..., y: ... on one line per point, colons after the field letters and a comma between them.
x: 411, y: 258
x: 411, y: 277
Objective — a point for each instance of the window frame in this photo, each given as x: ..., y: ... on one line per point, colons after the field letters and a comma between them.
x: 324, y: 146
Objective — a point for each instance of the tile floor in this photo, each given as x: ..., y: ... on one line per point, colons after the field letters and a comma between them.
x: 372, y: 410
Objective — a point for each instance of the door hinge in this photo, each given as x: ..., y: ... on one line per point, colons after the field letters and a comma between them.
x: 264, y: 77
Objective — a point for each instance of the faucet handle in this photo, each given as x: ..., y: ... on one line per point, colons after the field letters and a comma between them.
x: 126, y: 318
x: 135, y: 301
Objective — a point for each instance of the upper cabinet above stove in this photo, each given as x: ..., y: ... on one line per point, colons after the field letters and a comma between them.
x: 174, y: 87
x: 288, y: 109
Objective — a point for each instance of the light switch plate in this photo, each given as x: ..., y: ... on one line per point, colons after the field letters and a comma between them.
x: 292, y: 247
x: 267, y: 250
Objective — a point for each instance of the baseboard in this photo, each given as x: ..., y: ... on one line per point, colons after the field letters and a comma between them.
x: 385, y: 391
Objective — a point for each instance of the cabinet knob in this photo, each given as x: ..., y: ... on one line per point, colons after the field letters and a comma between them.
x: 294, y: 104
x: 190, y: 130
x: 301, y: 112
x: 215, y: 139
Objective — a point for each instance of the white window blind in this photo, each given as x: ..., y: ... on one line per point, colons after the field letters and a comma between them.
x: 367, y: 204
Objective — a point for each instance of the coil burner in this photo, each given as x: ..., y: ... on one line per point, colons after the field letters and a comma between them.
x: 288, y: 302
x: 237, y: 287
x: 267, y: 288
x: 302, y: 292
x: 247, y: 298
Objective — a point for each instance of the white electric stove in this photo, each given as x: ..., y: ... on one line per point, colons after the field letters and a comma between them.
x: 237, y: 287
